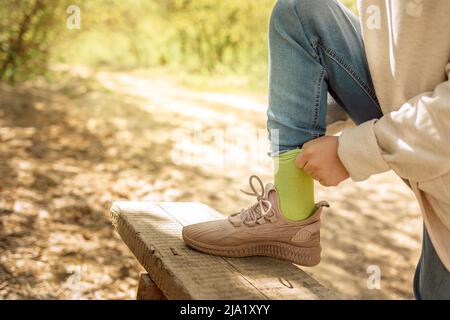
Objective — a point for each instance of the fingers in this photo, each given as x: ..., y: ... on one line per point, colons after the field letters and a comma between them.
x: 301, y: 160
x: 319, y: 159
x: 304, y: 162
x: 307, y: 150
x: 310, y: 169
x: 326, y: 183
x: 308, y: 144
x: 315, y: 173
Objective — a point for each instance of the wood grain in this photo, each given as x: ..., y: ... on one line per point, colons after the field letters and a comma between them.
x: 152, y: 231
x: 148, y: 290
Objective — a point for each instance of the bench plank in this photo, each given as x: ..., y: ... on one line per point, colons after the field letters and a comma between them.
x: 152, y: 231
x: 148, y: 290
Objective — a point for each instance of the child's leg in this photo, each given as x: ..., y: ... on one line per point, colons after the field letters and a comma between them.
x: 316, y: 48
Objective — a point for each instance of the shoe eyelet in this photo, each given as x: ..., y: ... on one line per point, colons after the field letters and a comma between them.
x: 261, y: 220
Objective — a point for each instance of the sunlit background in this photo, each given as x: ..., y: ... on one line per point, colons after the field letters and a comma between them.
x: 158, y: 100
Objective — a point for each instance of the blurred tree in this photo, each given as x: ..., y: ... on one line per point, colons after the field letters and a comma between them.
x: 196, y: 35
x: 210, y: 34
x: 26, y: 31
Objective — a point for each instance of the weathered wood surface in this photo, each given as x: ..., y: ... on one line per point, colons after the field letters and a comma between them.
x: 148, y: 290
x: 152, y: 231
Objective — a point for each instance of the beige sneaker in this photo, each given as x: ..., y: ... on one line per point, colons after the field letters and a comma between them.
x: 260, y: 230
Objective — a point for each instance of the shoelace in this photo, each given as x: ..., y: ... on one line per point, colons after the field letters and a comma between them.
x: 252, y: 215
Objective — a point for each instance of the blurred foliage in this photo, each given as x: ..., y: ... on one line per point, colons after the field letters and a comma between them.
x: 194, y: 36
x: 200, y: 35
x: 351, y: 4
x: 27, y: 28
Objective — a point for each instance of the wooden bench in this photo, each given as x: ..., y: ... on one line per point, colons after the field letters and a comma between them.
x: 152, y: 231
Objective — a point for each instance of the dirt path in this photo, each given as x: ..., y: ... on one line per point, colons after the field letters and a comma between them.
x: 68, y: 150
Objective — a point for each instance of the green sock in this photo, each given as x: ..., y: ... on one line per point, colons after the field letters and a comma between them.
x: 295, y: 187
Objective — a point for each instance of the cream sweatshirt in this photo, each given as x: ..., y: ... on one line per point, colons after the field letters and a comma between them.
x: 407, y: 43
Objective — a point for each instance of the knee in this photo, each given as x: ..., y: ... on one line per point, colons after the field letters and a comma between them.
x: 284, y: 18
x: 287, y: 12
x: 306, y: 8
x: 283, y: 11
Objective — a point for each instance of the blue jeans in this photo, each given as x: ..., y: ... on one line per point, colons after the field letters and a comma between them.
x: 431, y: 280
x: 316, y: 51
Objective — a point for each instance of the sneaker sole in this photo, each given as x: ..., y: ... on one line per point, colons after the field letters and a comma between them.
x: 303, y: 256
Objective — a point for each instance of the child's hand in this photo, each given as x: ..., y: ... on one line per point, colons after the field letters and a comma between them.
x: 320, y: 160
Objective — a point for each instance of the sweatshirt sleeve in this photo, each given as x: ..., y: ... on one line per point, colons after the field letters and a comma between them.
x: 414, y: 141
